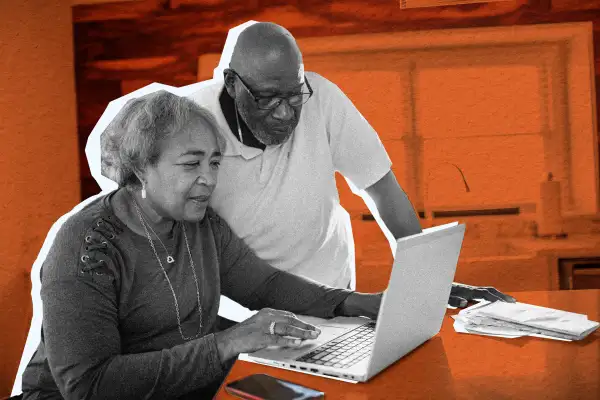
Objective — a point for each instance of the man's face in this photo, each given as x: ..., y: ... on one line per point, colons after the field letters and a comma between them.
x: 274, y: 126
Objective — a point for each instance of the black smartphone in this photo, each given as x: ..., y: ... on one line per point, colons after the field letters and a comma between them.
x: 265, y: 387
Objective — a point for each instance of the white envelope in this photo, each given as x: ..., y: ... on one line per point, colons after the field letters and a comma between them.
x: 474, y: 320
x: 541, y: 317
x: 460, y: 326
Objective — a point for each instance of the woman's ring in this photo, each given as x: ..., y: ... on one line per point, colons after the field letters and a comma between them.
x: 272, y: 328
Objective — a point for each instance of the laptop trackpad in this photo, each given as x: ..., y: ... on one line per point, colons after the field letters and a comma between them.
x: 330, y: 329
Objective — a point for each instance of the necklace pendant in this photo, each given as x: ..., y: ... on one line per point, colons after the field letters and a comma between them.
x: 170, y: 260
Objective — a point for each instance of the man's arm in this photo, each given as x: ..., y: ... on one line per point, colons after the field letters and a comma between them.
x: 359, y: 155
x: 394, y: 207
x: 399, y: 216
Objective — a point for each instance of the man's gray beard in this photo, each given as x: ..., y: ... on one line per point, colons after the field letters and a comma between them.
x: 271, y: 140
x: 266, y: 139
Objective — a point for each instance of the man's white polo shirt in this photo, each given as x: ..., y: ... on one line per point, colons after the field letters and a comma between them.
x: 283, y: 201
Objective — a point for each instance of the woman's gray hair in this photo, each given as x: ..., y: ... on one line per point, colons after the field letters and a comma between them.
x: 131, y: 141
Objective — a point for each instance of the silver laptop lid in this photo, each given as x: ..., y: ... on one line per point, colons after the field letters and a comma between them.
x: 413, y: 307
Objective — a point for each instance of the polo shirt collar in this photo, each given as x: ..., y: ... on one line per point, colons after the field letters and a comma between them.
x: 234, y: 146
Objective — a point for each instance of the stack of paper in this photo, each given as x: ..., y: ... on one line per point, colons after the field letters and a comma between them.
x: 512, y: 320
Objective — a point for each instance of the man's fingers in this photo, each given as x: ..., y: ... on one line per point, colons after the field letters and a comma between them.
x: 485, y: 294
x: 477, y: 293
x: 498, y: 295
x: 456, y: 301
x: 461, y: 291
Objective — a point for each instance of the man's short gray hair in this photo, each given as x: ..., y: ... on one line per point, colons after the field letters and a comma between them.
x: 131, y: 141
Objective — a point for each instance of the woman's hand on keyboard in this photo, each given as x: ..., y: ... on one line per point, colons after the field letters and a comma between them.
x: 255, y: 333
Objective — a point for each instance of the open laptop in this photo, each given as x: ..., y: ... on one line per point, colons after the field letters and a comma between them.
x: 411, y: 312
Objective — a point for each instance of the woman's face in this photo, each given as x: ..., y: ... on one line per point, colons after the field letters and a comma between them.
x: 181, y: 182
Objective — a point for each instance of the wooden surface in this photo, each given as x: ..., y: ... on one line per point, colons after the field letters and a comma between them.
x: 461, y: 366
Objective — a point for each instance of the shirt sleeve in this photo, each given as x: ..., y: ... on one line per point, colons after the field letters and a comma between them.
x: 82, y: 338
x: 252, y: 282
x: 357, y: 151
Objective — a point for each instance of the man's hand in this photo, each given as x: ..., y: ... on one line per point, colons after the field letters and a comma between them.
x: 367, y: 304
x: 461, y: 294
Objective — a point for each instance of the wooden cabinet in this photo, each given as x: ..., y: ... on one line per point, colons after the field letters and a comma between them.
x: 579, y: 273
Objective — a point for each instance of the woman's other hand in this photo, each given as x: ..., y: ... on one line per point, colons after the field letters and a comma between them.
x: 255, y: 333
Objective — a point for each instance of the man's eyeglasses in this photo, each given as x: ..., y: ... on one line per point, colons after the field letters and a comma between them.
x: 272, y: 102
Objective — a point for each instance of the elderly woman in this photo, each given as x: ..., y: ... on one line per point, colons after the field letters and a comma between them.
x: 131, y: 286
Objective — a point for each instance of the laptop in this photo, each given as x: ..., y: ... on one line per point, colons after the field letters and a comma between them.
x: 411, y: 312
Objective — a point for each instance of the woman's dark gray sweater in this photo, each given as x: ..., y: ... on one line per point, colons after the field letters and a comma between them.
x: 109, y: 323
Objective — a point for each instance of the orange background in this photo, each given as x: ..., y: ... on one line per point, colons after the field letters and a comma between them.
x: 60, y: 65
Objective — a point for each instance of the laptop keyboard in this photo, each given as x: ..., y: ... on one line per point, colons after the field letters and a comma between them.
x: 344, y: 351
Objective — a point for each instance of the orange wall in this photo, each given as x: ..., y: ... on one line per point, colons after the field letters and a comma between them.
x: 39, y: 165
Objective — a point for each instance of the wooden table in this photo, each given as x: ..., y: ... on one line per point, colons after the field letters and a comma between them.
x: 462, y: 366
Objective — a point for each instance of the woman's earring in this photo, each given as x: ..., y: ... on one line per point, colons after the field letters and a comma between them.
x: 143, y: 190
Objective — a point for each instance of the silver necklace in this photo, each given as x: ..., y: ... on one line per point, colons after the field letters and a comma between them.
x: 167, y: 277
x: 170, y: 258
x: 237, y: 119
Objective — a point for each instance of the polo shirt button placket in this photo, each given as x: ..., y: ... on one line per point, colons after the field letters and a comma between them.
x: 268, y: 162
x: 264, y: 167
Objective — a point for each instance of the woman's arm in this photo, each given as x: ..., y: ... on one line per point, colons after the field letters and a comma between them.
x: 360, y: 305
x: 83, y: 348
x: 250, y: 281
x: 82, y: 337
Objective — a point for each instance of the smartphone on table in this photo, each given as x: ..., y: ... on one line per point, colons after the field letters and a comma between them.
x: 266, y: 387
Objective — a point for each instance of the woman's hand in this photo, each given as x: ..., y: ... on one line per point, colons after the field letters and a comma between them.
x: 255, y: 333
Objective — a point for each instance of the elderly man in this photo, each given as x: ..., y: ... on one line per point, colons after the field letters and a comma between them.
x: 288, y: 132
